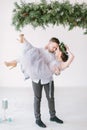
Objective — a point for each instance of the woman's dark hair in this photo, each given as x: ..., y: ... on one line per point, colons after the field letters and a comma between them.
x: 63, y: 49
x: 64, y: 57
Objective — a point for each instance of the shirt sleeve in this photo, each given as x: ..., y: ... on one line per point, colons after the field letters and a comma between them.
x: 53, y: 64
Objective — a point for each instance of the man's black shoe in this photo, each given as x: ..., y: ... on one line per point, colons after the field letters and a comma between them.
x: 40, y: 123
x: 56, y: 119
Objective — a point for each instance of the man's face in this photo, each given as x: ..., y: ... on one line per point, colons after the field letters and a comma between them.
x: 52, y: 46
x: 58, y: 54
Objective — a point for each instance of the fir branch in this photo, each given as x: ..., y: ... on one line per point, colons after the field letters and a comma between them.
x: 56, y: 13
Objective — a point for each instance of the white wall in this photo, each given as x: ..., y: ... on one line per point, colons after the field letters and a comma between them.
x: 75, y: 76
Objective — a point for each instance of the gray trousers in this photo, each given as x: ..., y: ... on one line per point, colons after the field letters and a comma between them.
x: 49, y: 90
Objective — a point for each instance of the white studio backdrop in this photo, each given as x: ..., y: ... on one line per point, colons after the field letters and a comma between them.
x: 74, y: 76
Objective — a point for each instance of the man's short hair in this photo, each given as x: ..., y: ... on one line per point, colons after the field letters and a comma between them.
x: 56, y: 40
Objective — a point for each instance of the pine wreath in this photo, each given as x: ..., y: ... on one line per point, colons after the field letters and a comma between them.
x: 56, y: 13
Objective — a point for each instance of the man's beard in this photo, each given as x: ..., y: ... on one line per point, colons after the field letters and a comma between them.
x: 50, y: 51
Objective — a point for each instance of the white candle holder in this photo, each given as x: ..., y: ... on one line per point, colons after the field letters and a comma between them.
x: 5, y: 107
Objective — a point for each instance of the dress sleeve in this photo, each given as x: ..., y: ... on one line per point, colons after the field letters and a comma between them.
x: 27, y: 45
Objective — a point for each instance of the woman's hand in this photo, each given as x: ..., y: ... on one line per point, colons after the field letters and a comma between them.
x: 21, y: 38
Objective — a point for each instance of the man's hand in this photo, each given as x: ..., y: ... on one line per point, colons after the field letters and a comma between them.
x: 56, y: 70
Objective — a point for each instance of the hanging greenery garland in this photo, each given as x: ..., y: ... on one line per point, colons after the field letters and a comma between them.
x: 55, y: 13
